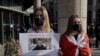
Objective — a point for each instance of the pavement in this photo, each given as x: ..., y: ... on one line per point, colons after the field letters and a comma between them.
x: 1, y: 50
x: 95, y: 51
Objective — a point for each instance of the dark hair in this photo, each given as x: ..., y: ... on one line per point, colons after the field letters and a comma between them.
x: 69, y: 27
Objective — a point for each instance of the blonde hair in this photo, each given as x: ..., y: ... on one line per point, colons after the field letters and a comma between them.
x: 46, y: 25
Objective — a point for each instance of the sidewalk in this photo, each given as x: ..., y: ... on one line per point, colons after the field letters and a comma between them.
x: 1, y: 50
x: 95, y: 51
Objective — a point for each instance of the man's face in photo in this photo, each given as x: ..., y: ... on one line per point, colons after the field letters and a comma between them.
x: 40, y: 43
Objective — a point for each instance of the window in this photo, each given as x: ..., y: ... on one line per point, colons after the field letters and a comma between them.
x: 16, y: 2
x: 0, y: 2
x: 6, y: 18
x: 6, y: 25
x: 15, y: 18
x: 6, y: 3
x: 21, y: 20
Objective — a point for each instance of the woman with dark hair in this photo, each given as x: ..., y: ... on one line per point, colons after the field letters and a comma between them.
x: 74, y: 42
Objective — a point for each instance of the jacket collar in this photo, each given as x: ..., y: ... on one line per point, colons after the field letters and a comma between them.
x: 78, y: 41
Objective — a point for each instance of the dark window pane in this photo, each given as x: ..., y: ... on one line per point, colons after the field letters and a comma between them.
x: 5, y: 2
x: 6, y: 17
x: 0, y: 2
x: 21, y: 20
x: 15, y: 18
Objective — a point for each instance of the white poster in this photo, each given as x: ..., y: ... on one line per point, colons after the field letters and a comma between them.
x: 39, y: 44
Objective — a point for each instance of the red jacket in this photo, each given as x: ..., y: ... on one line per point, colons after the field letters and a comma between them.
x: 69, y: 46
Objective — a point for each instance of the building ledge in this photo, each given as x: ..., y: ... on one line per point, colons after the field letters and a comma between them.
x: 14, y: 10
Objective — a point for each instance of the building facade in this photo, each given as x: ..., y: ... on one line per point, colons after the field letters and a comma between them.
x: 93, y: 10
x: 12, y: 19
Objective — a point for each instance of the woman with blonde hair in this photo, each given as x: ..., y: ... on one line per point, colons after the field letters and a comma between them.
x: 40, y: 21
x: 41, y: 25
x: 74, y: 42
